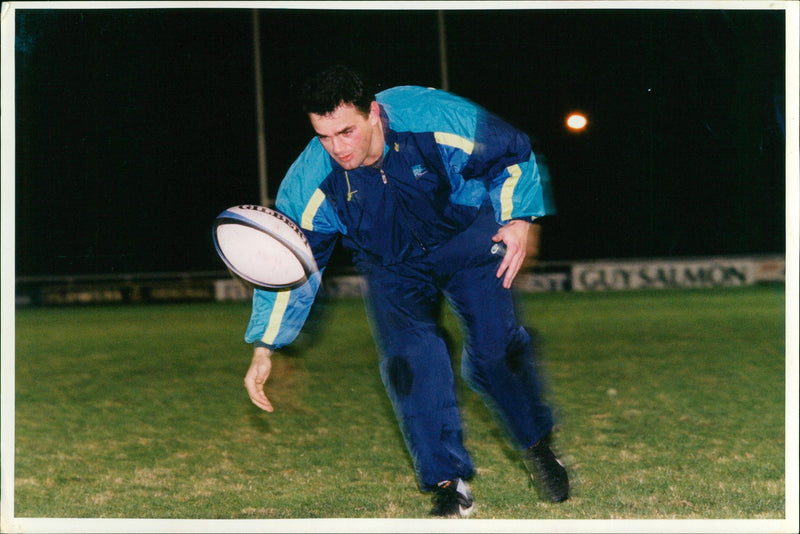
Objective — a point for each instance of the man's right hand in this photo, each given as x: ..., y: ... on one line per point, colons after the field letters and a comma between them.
x: 256, y: 377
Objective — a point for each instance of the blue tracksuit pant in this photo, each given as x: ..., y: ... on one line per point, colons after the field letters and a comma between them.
x: 404, y: 308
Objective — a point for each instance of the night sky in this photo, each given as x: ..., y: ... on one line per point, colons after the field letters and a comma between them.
x: 135, y: 128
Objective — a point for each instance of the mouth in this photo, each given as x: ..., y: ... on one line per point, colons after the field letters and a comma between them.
x: 348, y: 162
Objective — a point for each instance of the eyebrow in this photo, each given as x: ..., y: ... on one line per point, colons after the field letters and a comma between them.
x: 343, y: 130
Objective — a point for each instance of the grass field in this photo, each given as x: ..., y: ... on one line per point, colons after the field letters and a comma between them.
x: 670, y: 403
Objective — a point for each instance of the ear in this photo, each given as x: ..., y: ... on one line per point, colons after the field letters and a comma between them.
x: 374, y: 113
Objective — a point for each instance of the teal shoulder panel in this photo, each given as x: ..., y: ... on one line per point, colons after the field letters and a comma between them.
x: 424, y: 109
x: 299, y: 196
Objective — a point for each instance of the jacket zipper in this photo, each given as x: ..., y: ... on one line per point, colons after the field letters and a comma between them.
x: 413, y: 233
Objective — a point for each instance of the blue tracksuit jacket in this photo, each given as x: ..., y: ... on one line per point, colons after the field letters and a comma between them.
x: 444, y: 157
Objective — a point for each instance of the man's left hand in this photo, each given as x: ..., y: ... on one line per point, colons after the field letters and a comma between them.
x: 515, y: 236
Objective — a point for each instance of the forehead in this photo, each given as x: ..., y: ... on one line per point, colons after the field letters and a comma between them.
x: 343, y: 117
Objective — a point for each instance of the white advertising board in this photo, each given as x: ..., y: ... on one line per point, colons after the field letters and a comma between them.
x: 653, y: 274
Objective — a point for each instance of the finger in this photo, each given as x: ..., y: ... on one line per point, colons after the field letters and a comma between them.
x: 266, y: 405
x: 255, y: 389
x: 512, y: 270
x: 260, y: 399
x: 508, y: 260
x: 502, y: 268
x: 509, y: 278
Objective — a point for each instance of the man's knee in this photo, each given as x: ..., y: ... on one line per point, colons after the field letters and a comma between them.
x: 397, y: 375
x: 513, y: 353
x: 415, y: 358
x: 519, y: 352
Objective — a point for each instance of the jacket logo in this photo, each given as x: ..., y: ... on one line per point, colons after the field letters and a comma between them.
x: 418, y: 170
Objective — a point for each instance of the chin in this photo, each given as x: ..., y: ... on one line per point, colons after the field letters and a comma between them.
x: 349, y: 165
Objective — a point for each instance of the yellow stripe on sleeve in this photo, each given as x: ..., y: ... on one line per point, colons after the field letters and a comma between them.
x: 276, y: 317
x: 507, y: 193
x: 454, y: 140
x: 307, y: 220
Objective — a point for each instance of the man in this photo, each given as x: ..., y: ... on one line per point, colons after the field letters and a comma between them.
x: 420, y: 184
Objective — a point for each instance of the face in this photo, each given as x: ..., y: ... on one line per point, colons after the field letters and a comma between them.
x: 350, y: 137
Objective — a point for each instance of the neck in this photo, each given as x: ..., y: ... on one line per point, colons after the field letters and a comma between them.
x: 376, y: 145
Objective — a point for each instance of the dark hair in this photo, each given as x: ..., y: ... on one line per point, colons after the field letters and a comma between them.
x: 325, y: 91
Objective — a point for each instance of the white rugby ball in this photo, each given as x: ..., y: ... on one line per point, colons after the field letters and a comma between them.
x: 263, y: 247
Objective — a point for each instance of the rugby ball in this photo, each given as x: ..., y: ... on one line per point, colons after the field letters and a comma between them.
x: 263, y: 247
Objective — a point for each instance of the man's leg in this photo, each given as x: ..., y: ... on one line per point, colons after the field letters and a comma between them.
x: 498, y: 363
x: 498, y: 354
x: 416, y: 371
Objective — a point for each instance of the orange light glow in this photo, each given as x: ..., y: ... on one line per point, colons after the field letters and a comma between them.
x: 577, y: 121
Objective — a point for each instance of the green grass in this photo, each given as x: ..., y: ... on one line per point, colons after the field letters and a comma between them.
x: 670, y: 405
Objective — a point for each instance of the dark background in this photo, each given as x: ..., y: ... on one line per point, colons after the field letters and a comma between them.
x: 135, y: 128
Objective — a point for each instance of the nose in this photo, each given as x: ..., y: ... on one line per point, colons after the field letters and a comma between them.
x: 338, y: 147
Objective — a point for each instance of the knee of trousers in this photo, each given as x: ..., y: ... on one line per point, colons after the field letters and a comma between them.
x: 513, y: 355
x: 416, y: 372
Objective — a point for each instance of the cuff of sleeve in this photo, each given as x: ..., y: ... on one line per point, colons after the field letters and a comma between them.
x: 262, y: 344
